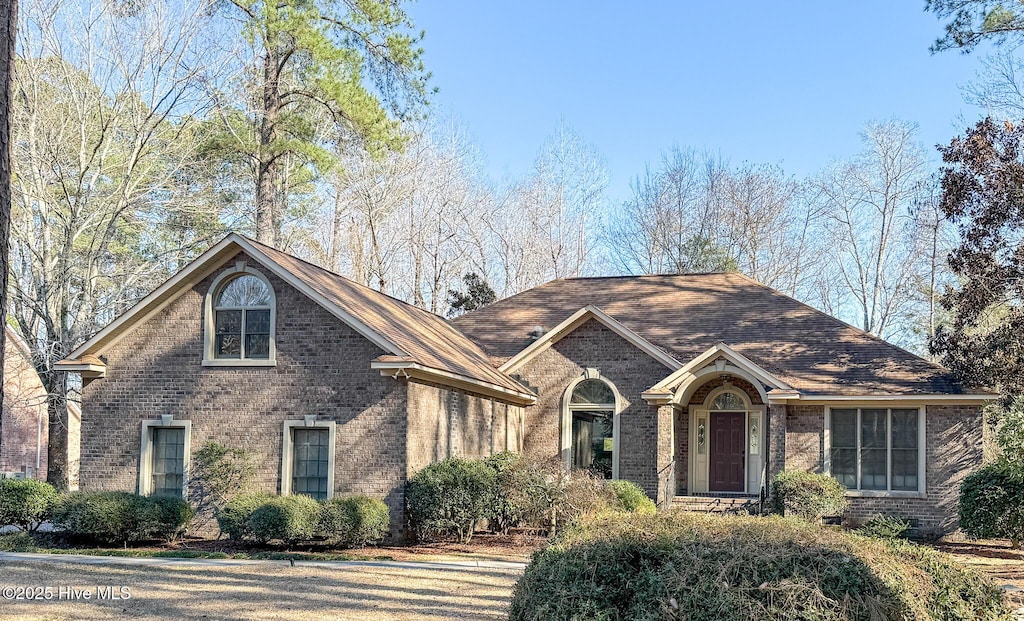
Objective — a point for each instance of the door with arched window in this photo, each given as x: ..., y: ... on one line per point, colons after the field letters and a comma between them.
x: 728, y: 450
x: 590, y: 414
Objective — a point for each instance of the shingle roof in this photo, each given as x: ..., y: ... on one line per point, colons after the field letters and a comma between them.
x: 686, y: 314
x: 424, y: 337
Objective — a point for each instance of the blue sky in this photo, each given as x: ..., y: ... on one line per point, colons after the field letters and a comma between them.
x: 788, y: 83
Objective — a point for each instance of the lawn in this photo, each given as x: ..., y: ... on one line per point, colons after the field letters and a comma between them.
x: 994, y: 557
x: 266, y: 591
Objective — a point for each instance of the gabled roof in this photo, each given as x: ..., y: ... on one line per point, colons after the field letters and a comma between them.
x: 687, y: 314
x: 401, y: 330
x: 576, y: 320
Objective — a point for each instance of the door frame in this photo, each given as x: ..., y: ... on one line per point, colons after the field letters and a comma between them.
x: 699, y: 464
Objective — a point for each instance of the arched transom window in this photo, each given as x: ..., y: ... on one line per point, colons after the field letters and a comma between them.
x: 243, y: 319
x: 592, y: 415
x: 729, y: 402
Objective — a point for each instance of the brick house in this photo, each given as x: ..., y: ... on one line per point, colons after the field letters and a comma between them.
x: 697, y: 387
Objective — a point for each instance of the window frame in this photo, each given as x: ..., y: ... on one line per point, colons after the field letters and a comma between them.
x: 922, y: 450
x: 210, y: 359
x: 288, y: 451
x: 146, y: 453
x: 568, y: 408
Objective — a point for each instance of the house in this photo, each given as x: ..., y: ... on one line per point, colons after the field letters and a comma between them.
x: 698, y: 387
x: 23, y: 434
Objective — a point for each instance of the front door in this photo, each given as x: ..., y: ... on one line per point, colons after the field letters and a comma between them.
x: 727, y: 454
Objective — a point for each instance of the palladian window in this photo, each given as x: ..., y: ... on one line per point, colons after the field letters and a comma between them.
x: 592, y: 409
x: 242, y: 319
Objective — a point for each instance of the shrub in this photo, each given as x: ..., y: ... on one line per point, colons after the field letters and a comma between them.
x: 233, y: 517
x: 120, y: 517
x: 515, y: 481
x: 354, y: 521
x: 807, y: 495
x: 884, y: 527
x: 288, y: 518
x: 218, y: 473
x: 703, y: 567
x: 173, y: 516
x: 560, y: 496
x: 19, y: 541
x: 25, y: 503
x: 447, y: 499
x: 631, y: 497
x: 992, y: 502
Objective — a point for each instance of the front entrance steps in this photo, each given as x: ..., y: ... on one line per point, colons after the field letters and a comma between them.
x: 735, y: 505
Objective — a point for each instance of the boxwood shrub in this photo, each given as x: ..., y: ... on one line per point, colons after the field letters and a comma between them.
x: 354, y: 521
x: 992, y: 502
x: 25, y: 503
x: 287, y: 518
x: 233, y: 517
x: 121, y: 517
x: 631, y: 497
x: 675, y: 565
x: 515, y: 495
x: 448, y: 498
x: 807, y: 495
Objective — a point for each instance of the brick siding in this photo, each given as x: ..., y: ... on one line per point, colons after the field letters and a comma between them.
x: 632, y: 371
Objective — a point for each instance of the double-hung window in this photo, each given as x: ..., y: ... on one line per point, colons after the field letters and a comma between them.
x: 163, y: 459
x: 876, y: 449
x: 307, y: 464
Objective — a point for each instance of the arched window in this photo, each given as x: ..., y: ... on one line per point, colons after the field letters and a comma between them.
x: 591, y: 419
x: 729, y: 402
x: 242, y: 318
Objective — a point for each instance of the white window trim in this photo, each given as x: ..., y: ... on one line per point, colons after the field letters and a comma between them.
x: 922, y: 451
x: 209, y: 325
x: 568, y: 409
x: 145, y: 487
x: 287, y: 451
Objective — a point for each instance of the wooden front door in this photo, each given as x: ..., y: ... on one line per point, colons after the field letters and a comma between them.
x: 727, y: 452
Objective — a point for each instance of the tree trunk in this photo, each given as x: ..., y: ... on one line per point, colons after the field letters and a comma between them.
x: 8, y: 30
x: 269, y: 207
x: 56, y: 383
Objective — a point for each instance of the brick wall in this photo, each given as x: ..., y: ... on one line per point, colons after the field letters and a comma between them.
x: 25, y: 419
x: 592, y: 345
x: 953, y: 448
x: 323, y: 368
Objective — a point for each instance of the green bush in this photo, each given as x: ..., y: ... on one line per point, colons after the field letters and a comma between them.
x: 218, y: 473
x: 447, y: 499
x: 233, y: 517
x: 675, y: 565
x: 288, y: 518
x: 25, y: 503
x: 354, y: 521
x: 807, y: 495
x: 992, y: 502
x: 884, y: 527
x: 120, y: 517
x: 19, y: 541
x: 515, y: 481
x: 631, y: 497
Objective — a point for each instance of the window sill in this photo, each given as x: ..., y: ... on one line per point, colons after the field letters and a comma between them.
x: 238, y: 362
x: 884, y: 494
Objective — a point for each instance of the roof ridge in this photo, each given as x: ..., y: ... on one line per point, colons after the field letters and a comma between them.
x: 659, y: 275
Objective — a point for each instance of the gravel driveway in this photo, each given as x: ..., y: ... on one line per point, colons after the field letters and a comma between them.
x: 379, y: 591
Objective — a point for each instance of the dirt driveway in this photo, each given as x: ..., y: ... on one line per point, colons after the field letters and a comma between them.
x: 260, y: 591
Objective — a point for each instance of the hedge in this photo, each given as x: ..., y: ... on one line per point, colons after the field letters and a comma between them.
x: 354, y: 521
x: 233, y: 517
x: 25, y: 503
x: 706, y: 567
x: 448, y: 498
x: 992, y: 502
x: 287, y: 518
x: 121, y: 517
x: 807, y: 495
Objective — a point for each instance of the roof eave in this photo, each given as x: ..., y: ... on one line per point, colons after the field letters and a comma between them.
x: 396, y: 369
